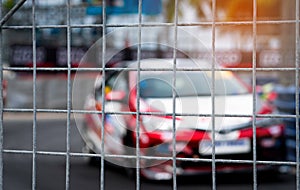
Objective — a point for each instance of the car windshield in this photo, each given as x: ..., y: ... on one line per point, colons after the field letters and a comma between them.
x: 189, y: 83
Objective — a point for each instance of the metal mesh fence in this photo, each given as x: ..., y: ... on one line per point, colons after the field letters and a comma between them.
x: 73, y: 26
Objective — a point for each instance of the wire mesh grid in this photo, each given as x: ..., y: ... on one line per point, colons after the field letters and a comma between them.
x: 140, y: 25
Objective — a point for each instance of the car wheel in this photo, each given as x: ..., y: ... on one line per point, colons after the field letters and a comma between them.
x: 91, y: 160
x: 130, y: 170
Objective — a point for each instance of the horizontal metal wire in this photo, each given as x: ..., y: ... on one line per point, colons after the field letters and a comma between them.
x: 147, y: 113
x: 159, y: 158
x: 16, y: 110
x: 96, y: 69
x: 160, y: 24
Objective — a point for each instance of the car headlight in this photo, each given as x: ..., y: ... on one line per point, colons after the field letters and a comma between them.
x: 163, y: 123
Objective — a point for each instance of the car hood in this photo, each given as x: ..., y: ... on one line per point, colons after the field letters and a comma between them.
x: 196, y: 112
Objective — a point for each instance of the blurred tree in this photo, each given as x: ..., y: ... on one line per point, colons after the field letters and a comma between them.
x: 8, y: 4
x: 170, y: 8
x: 238, y: 10
x: 233, y: 10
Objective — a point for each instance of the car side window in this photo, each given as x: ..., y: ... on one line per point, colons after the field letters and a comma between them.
x: 116, y: 82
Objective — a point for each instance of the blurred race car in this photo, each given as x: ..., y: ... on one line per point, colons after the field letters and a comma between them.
x: 155, y: 108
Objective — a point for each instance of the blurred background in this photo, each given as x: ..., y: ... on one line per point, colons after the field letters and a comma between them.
x: 233, y: 39
x: 261, y: 49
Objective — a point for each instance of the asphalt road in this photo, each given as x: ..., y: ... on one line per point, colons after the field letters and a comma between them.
x: 51, y: 170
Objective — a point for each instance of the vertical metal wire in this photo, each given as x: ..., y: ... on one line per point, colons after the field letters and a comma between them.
x: 1, y: 102
x: 297, y: 93
x: 213, y: 164
x: 174, y: 96
x: 102, y: 166
x: 68, y: 94
x: 254, y: 36
x: 34, y: 97
x: 138, y: 184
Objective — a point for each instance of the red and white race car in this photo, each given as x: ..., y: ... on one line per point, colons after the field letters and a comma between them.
x: 156, y: 109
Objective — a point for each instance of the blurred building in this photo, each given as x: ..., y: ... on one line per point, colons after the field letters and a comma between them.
x: 275, y: 42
